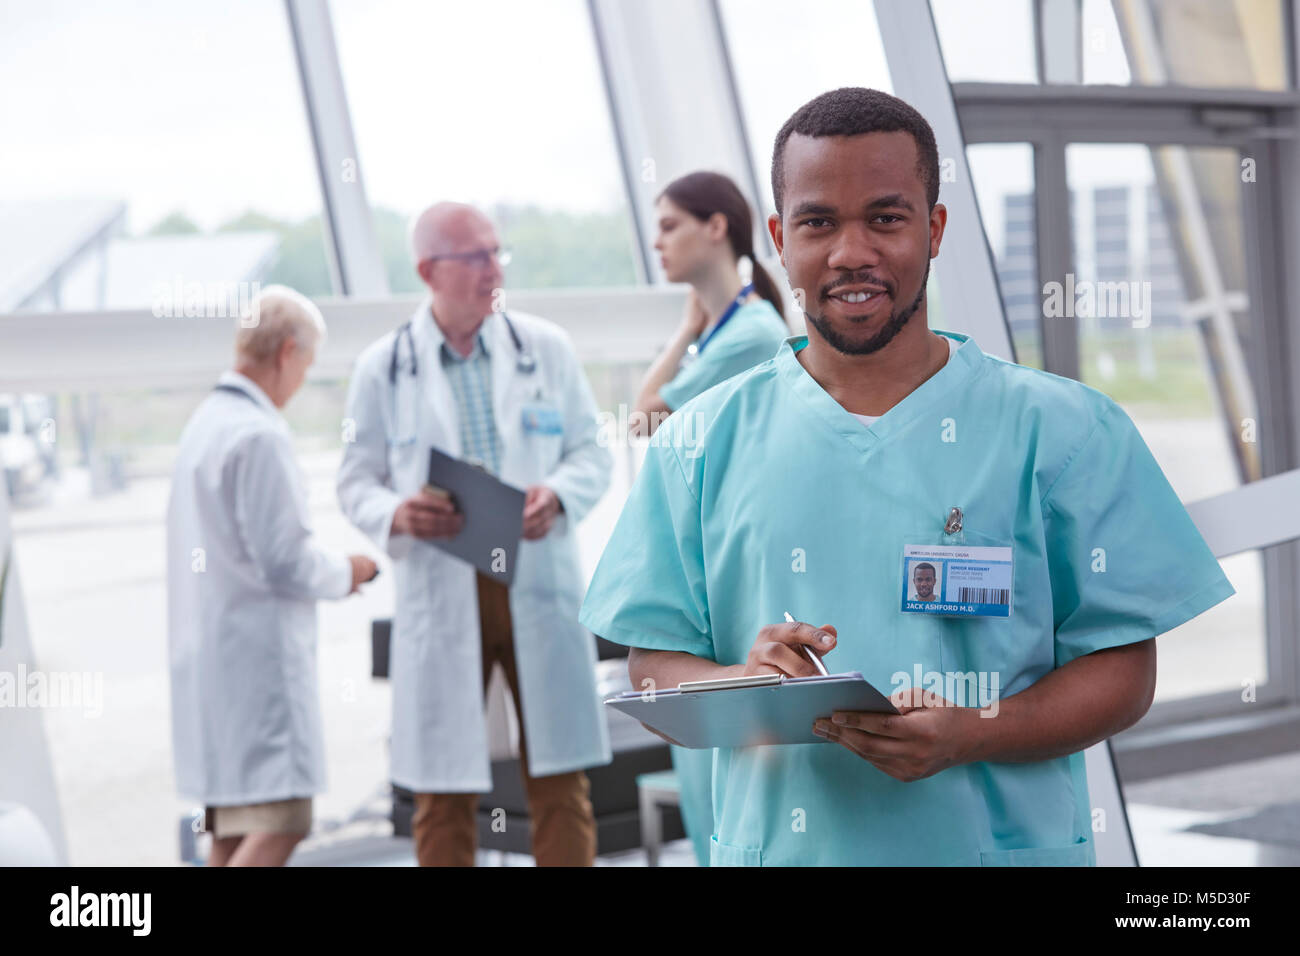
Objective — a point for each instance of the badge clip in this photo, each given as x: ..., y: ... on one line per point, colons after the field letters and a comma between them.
x: 953, y: 524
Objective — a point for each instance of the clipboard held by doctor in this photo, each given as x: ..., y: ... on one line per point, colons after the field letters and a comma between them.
x: 493, y: 511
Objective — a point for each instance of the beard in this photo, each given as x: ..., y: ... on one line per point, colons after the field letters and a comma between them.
x: 896, y: 323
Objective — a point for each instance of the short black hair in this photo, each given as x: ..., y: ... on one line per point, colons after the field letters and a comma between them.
x: 850, y: 111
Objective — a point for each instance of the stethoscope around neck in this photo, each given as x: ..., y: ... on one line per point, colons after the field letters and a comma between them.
x: 525, y: 364
x: 524, y: 361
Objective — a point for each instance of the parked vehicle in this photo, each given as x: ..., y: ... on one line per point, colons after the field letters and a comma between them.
x: 27, y: 449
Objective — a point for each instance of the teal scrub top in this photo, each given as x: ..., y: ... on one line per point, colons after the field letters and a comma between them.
x: 752, y: 335
x: 764, y: 495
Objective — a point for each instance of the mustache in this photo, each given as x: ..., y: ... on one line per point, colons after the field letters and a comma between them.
x: 857, y: 278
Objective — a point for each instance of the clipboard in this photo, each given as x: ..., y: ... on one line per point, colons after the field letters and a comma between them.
x: 493, y: 510
x: 757, y: 711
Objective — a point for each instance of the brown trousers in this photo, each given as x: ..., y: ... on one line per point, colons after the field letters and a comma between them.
x: 563, y: 825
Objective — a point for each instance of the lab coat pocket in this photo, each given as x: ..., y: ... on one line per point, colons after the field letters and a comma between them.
x: 724, y: 854
x: 1081, y: 853
x: 542, y: 433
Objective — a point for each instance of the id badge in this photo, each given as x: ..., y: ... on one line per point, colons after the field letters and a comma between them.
x: 956, y: 581
x: 542, y: 420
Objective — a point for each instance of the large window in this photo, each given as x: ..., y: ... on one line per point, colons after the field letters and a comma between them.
x: 1216, y: 43
x: 497, y: 103
x: 784, y: 54
x: 1209, y: 43
x: 1003, y: 175
x: 149, y: 144
x: 989, y: 42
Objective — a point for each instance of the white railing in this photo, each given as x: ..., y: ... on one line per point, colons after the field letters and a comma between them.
x: 80, y: 351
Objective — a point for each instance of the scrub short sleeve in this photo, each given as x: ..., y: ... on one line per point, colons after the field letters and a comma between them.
x: 717, y: 363
x: 649, y: 587
x: 1125, y: 559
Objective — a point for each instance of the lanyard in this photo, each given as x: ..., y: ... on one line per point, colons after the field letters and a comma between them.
x: 731, y: 310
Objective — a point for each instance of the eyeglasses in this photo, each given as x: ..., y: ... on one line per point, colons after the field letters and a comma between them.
x: 479, y: 258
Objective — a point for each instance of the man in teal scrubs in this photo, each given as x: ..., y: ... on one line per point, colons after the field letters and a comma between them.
x: 805, y: 483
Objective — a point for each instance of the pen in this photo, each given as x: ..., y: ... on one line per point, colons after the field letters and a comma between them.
x: 816, y: 661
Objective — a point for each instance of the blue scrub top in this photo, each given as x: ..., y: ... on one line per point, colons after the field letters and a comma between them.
x: 752, y: 335
x: 763, y: 494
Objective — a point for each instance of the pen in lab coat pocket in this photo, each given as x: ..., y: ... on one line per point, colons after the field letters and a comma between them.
x: 816, y: 661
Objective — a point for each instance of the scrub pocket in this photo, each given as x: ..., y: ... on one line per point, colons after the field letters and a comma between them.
x: 1082, y: 853
x: 984, y: 645
x: 724, y: 854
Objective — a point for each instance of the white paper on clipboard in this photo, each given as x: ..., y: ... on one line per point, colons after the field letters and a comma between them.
x: 760, y: 712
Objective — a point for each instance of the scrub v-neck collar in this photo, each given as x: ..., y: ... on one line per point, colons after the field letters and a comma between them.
x: 962, y: 364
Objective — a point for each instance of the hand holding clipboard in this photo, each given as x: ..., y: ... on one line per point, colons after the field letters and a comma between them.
x: 481, y: 518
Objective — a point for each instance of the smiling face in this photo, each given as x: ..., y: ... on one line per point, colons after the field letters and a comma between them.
x: 923, y: 580
x: 857, y: 236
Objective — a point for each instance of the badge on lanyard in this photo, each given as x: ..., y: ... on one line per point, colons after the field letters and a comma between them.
x: 956, y: 580
x: 542, y: 419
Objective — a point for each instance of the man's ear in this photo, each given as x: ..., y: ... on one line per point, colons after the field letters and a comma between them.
x: 938, y: 222
x: 778, y: 237
x: 424, y: 269
x: 288, y: 348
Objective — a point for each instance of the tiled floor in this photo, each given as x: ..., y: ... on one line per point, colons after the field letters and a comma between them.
x: 1164, y: 838
x: 372, y: 845
x: 1163, y: 815
x: 1163, y: 811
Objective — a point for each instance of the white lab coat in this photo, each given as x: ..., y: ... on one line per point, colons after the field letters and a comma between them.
x: 439, y: 741
x: 243, y: 578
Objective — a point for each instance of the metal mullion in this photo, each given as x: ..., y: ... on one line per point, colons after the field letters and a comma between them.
x: 352, y: 250
x: 1052, y: 237
x: 1058, y: 25
x: 762, y: 238
x: 1275, y: 403
x: 1173, y: 126
x: 1123, y: 97
x: 1290, y: 38
x: 640, y: 230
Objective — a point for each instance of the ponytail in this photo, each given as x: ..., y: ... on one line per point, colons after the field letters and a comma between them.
x: 704, y: 193
x: 766, y: 288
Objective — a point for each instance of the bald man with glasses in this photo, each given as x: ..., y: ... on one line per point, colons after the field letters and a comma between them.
x: 506, y: 392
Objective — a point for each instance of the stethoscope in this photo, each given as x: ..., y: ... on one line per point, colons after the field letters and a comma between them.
x: 525, y: 364
x: 524, y: 361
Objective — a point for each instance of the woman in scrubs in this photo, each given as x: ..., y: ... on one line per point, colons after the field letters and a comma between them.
x: 729, y: 325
